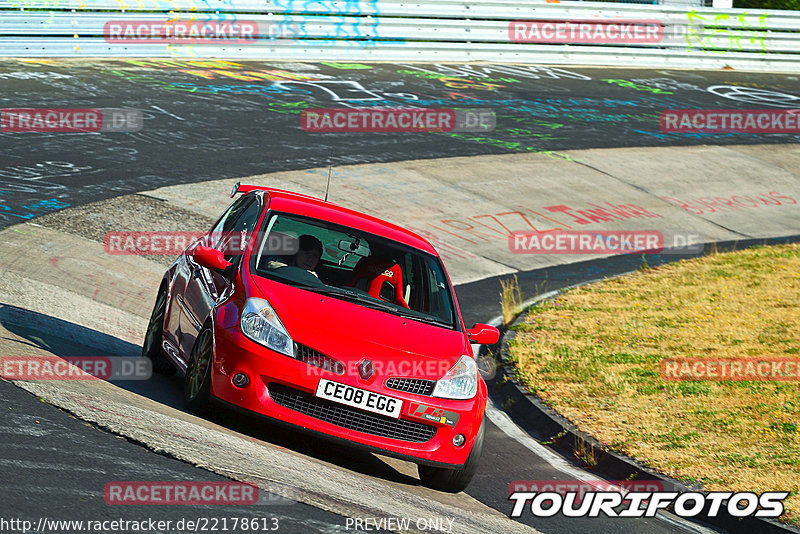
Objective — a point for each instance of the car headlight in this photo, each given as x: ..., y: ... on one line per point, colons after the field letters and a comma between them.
x: 460, y: 382
x: 261, y: 324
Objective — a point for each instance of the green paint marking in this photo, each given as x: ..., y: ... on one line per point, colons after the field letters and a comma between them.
x: 293, y: 108
x: 720, y: 27
x: 511, y: 145
x: 638, y: 87
x: 347, y: 66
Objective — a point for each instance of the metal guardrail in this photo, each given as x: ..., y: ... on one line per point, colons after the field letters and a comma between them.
x: 389, y: 30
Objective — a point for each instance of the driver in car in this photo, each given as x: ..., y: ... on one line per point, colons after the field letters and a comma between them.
x: 307, y: 256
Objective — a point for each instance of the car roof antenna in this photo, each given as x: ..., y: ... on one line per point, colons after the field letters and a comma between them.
x: 327, y: 187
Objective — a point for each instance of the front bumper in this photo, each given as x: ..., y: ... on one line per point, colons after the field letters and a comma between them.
x: 235, y: 353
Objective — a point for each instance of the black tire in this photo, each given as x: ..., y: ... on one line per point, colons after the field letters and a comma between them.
x: 151, y: 348
x: 453, y: 480
x: 197, y: 382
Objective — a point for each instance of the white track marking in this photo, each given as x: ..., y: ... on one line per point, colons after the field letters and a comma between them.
x: 502, y: 421
x: 167, y: 113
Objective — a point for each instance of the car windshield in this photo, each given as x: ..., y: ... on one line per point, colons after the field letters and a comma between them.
x: 343, y: 263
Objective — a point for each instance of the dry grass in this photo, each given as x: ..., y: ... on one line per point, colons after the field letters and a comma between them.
x: 510, y: 298
x: 594, y: 353
x: 584, y: 451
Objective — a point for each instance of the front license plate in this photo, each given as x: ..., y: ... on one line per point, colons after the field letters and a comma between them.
x: 359, y: 398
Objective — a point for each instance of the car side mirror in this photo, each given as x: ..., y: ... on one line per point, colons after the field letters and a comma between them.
x: 483, y: 334
x: 211, y: 258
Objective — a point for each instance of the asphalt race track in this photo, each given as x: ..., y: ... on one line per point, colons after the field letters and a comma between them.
x: 50, y: 457
x: 208, y: 122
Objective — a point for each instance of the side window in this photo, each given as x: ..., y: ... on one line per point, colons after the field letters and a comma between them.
x: 216, y: 231
x: 440, y: 304
x: 236, y: 227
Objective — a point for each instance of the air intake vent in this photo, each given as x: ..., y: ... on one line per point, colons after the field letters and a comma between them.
x: 417, y: 386
x: 350, y: 418
x: 317, y: 359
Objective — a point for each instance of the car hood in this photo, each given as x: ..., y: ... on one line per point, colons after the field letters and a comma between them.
x: 350, y: 332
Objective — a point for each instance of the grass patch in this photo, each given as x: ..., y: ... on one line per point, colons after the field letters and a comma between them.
x: 510, y: 298
x: 594, y: 353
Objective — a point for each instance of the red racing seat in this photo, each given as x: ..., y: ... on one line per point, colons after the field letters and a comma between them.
x: 384, y: 279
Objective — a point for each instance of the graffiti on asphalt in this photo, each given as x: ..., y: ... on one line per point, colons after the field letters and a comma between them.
x: 761, y: 97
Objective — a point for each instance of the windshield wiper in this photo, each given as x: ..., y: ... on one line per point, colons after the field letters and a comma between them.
x: 334, y: 291
x: 381, y: 305
x: 422, y: 318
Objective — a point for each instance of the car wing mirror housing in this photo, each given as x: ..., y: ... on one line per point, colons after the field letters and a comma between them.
x: 213, y: 259
x: 483, y: 334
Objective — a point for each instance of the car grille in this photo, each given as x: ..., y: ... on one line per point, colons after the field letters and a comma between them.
x: 317, y: 359
x: 350, y: 418
x: 418, y: 386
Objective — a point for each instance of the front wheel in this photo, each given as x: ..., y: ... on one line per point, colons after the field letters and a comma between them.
x: 453, y: 480
x: 197, y: 383
x: 151, y: 348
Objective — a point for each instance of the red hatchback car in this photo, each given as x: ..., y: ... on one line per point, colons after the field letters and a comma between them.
x: 318, y: 316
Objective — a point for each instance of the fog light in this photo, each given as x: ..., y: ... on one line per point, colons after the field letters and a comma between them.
x: 240, y: 380
x: 459, y: 440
